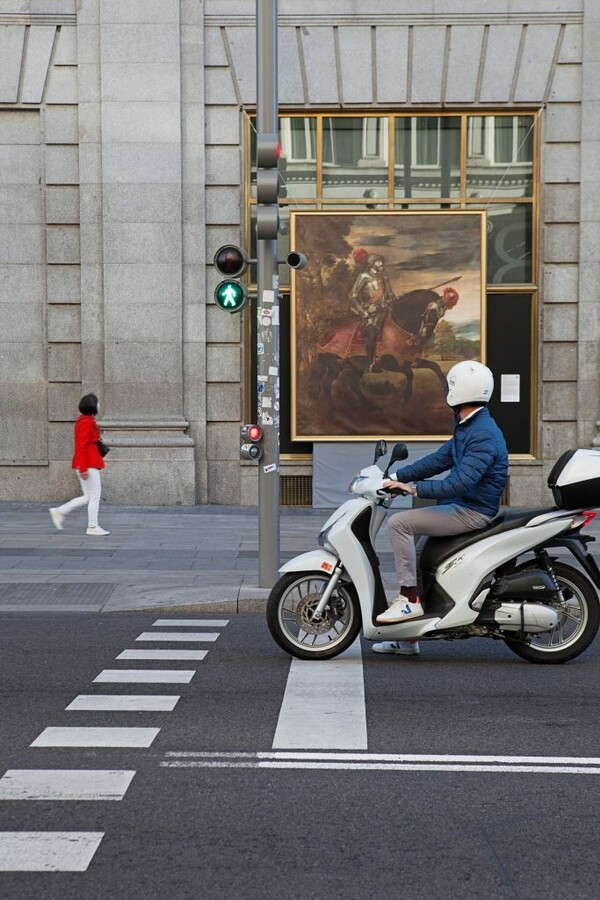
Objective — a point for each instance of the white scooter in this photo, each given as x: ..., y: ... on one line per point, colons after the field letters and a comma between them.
x: 502, y: 581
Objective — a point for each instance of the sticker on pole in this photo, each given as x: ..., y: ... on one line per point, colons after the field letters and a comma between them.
x: 272, y: 467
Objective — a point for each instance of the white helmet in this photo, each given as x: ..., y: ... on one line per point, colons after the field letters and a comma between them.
x: 469, y: 382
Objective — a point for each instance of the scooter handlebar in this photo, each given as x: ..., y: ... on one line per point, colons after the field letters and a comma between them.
x: 394, y: 493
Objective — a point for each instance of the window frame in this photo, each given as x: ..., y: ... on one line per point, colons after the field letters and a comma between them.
x: 461, y: 201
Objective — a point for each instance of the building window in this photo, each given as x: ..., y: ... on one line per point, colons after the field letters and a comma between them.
x: 453, y: 160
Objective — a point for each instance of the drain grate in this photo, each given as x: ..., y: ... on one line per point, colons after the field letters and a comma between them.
x: 27, y: 593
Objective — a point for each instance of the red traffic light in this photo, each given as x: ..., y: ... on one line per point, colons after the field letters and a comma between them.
x: 252, y: 433
x: 231, y: 260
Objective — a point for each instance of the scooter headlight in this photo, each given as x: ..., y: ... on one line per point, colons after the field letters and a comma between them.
x: 323, y: 542
x: 356, y: 482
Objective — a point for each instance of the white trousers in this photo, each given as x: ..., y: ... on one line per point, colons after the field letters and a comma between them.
x: 91, y: 497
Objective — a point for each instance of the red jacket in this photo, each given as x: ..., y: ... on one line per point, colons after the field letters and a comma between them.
x: 87, y: 456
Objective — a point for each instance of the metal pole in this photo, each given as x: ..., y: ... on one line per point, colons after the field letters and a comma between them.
x: 267, y: 326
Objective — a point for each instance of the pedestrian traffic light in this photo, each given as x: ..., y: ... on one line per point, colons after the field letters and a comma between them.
x: 251, y: 435
x: 268, y: 151
x: 231, y: 261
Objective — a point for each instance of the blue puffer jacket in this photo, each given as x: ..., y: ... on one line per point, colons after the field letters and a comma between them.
x: 478, y: 462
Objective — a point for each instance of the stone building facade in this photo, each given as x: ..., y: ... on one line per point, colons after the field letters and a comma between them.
x: 123, y: 151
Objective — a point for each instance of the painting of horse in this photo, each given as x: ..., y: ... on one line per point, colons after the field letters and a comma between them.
x: 388, y: 303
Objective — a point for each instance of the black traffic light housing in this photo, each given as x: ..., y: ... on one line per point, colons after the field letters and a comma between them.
x: 268, y: 151
x: 232, y: 262
x: 296, y: 260
x: 250, y: 436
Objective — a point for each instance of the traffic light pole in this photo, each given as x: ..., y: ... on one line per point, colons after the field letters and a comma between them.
x: 267, y: 331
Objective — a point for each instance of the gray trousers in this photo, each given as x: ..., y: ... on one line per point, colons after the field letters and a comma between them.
x: 433, y: 521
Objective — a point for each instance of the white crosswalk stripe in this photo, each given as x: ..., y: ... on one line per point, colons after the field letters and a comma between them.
x: 95, y: 737
x: 126, y: 703
x: 192, y: 623
x: 48, y: 851
x: 178, y: 636
x: 64, y: 784
x: 314, y: 718
x: 163, y: 654
x: 146, y: 676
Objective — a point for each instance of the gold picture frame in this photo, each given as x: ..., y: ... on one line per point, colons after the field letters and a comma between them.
x: 388, y: 302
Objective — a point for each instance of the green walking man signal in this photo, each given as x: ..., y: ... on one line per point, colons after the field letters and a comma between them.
x: 231, y: 296
x: 232, y: 262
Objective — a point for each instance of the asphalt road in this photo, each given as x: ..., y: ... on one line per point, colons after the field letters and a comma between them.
x: 200, y: 820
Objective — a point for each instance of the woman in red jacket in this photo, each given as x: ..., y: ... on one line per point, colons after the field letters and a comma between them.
x: 87, y: 461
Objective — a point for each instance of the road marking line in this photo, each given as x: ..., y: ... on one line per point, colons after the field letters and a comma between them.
x: 48, y: 851
x: 129, y: 703
x: 64, y: 784
x: 378, y: 767
x: 324, y: 704
x: 146, y: 676
x: 178, y: 636
x: 162, y: 654
x: 183, y: 623
x: 384, y: 762
x: 95, y: 737
x: 387, y: 757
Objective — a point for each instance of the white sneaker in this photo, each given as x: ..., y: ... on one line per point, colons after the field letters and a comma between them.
x: 403, y: 648
x: 58, y: 520
x: 97, y: 530
x: 401, y: 610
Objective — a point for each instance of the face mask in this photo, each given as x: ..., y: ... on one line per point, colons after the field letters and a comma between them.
x: 98, y: 408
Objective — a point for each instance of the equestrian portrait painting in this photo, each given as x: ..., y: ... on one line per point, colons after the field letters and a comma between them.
x: 387, y: 303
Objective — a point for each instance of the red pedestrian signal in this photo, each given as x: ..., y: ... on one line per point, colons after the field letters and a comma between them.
x: 250, y: 436
x: 231, y: 260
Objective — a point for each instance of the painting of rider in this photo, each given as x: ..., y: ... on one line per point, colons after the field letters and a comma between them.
x: 388, y: 303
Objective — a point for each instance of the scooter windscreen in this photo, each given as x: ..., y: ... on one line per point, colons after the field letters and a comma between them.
x: 368, y: 480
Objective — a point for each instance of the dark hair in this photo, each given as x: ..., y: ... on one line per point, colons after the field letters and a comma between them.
x: 88, y: 405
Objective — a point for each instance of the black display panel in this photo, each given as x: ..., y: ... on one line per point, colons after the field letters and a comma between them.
x: 509, y: 352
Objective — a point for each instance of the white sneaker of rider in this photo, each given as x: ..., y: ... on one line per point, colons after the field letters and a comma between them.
x: 401, y: 610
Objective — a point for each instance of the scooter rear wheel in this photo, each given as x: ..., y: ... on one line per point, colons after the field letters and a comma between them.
x: 577, y: 626
x: 290, y: 616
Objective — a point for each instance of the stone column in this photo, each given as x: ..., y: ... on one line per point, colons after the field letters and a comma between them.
x: 142, y: 253
x: 194, y: 232
x: 589, y: 278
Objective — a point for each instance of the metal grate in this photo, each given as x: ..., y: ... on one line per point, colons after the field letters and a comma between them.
x: 28, y: 594
x: 295, y: 490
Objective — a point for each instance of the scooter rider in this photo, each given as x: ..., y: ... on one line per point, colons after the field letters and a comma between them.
x: 468, y: 497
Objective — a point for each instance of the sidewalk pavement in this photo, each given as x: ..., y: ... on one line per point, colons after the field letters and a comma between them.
x: 155, y: 558
x: 203, y: 558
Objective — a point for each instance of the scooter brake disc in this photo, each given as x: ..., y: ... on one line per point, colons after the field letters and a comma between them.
x: 304, y: 616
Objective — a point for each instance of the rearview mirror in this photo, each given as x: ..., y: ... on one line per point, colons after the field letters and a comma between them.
x: 399, y: 453
x: 380, y: 450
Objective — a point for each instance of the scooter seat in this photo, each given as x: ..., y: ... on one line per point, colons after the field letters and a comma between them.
x: 435, y: 549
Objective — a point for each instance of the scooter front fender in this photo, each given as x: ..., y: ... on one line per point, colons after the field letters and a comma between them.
x: 317, y: 560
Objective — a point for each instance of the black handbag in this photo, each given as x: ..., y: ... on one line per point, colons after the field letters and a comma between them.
x: 103, y: 448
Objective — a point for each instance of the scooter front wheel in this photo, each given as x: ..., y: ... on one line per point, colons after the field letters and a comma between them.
x: 292, y: 622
